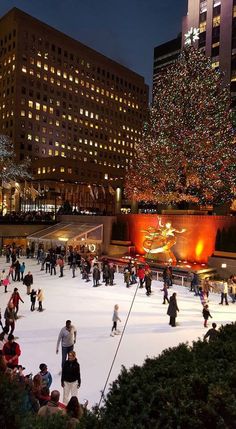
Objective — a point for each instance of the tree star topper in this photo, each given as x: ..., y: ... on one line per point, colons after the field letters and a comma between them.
x: 191, y: 36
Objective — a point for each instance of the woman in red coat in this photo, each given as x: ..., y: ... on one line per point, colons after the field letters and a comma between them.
x: 15, y: 298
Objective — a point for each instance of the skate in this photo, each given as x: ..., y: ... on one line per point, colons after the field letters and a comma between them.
x: 117, y: 332
x: 112, y: 334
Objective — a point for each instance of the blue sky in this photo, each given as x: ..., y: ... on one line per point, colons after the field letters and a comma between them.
x: 125, y: 30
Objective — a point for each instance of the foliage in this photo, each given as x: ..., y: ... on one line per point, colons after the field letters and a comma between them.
x: 187, y: 152
x: 185, y: 387
x: 10, y: 169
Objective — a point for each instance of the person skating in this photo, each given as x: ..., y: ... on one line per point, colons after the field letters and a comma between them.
x: 206, y: 314
x: 111, y: 272
x: 115, y: 319
x: 165, y: 294
x: 28, y: 281
x: 212, y: 333
x: 148, y: 281
x: 6, y: 282
x: 22, y: 270
x: 60, y: 263
x: 33, y: 296
x: 96, y: 275
x: 224, y: 293
x: 10, y: 317
x: 127, y: 277
x: 172, y: 310
x: 70, y: 377
x: 141, y: 276
x: 40, y: 298
x: 15, y: 298
x: 67, y: 338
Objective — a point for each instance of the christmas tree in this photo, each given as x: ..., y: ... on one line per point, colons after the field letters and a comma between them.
x: 9, y: 168
x: 188, y: 151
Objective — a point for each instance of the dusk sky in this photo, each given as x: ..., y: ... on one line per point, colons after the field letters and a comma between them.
x: 125, y: 30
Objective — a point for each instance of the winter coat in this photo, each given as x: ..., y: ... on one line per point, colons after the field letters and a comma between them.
x: 206, y: 313
x: 141, y: 273
x: 28, y: 280
x: 11, y: 350
x: 33, y: 295
x: 10, y: 314
x: 115, y: 316
x: 15, y: 298
x: 40, y: 295
x: 173, y: 307
x: 96, y: 273
x: 71, y: 372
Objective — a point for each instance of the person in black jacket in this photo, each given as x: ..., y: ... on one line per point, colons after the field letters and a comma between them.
x: 28, y: 281
x: 172, y: 309
x: 70, y: 377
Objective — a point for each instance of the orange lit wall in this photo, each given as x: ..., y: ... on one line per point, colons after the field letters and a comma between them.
x: 196, y: 244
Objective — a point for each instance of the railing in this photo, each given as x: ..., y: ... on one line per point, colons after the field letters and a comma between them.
x: 178, y: 279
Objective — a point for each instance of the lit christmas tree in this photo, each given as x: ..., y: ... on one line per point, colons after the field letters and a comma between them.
x: 188, y: 151
x: 9, y: 168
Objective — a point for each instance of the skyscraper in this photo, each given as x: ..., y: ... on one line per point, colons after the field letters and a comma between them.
x: 74, y: 112
x: 216, y: 20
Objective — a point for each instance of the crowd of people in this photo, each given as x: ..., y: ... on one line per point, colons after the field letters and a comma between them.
x: 37, y: 397
x: 34, y: 216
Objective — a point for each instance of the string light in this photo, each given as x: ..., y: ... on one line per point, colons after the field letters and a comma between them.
x: 187, y: 152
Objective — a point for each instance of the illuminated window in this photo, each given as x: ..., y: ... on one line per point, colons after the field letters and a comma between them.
x: 58, y: 72
x: 22, y: 113
x: 216, y: 21
x: 24, y: 70
x: 37, y: 106
x: 44, y: 107
x: 39, y: 64
x: 52, y: 69
x: 30, y: 115
x: 39, y: 170
x: 56, y: 153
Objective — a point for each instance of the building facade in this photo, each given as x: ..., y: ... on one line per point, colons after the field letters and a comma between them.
x: 216, y: 20
x: 164, y: 55
x: 73, y: 112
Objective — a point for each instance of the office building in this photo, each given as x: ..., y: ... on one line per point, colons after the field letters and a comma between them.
x: 165, y: 55
x: 74, y: 112
x: 216, y: 21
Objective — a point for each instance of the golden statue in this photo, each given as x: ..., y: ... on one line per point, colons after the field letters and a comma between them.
x: 159, y: 241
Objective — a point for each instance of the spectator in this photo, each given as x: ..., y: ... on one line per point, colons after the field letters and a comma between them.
x: 74, y: 411
x: 11, y: 352
x: 212, y: 333
x: 45, y: 375
x: 52, y: 407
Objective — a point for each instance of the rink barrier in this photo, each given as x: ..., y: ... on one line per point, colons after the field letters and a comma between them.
x: 177, y: 279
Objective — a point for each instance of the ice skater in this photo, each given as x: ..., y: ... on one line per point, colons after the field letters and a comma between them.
x: 206, y: 314
x: 115, y: 319
x: 40, y: 298
x: 165, y: 294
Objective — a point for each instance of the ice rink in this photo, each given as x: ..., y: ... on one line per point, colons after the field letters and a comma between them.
x: 90, y: 310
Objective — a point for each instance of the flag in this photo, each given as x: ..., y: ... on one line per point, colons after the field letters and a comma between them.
x: 91, y: 192
x: 111, y: 190
x: 96, y: 192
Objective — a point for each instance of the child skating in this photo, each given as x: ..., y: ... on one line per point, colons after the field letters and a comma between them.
x: 115, y: 318
x: 206, y: 314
